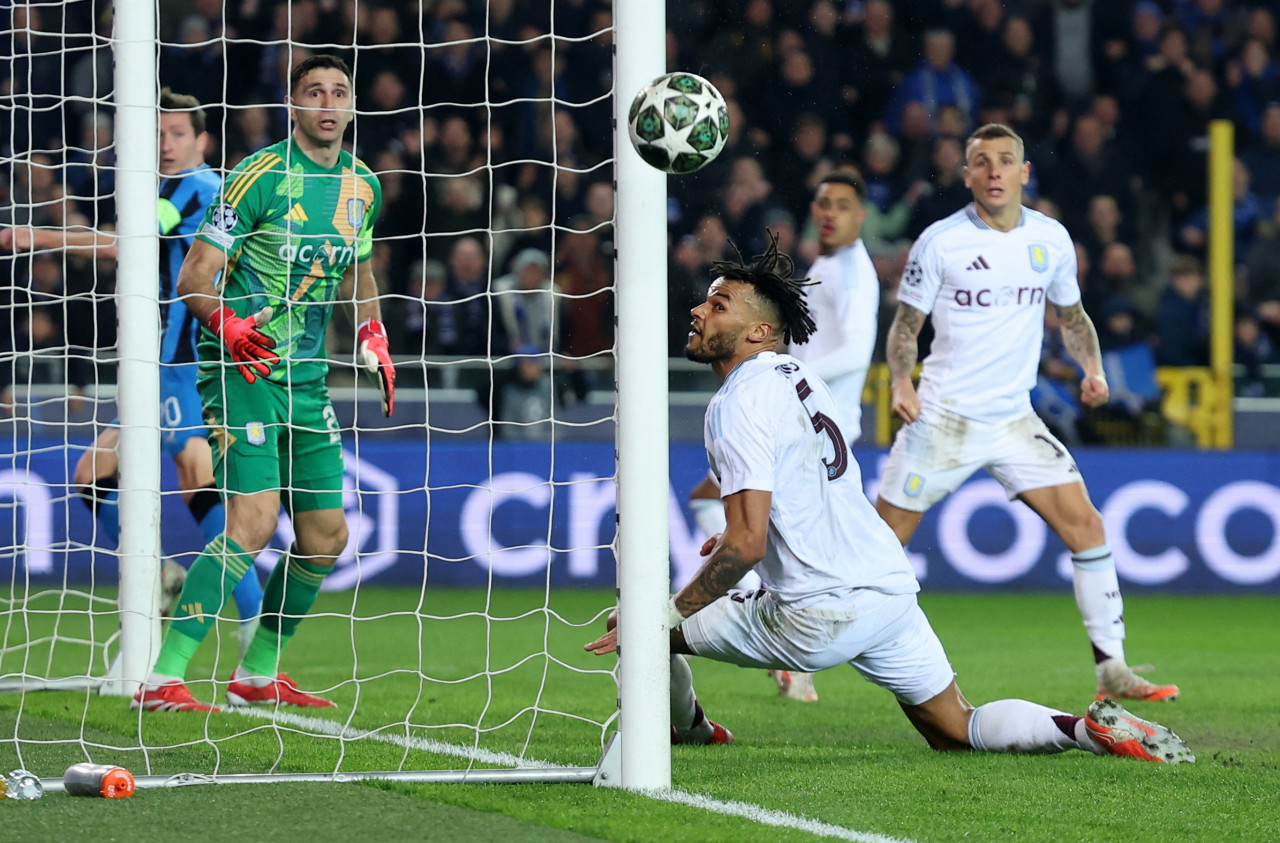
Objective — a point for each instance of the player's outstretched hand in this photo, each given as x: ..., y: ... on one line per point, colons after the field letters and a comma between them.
x: 250, y: 348
x: 905, y: 403
x: 1094, y: 390
x: 608, y: 642
x: 375, y: 355
x: 605, y: 644
x: 17, y: 239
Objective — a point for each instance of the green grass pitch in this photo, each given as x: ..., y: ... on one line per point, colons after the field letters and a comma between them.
x: 432, y: 668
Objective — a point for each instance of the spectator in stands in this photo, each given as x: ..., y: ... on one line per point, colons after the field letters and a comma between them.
x: 1247, y: 212
x: 1089, y: 166
x: 1208, y: 24
x: 979, y: 29
x: 1105, y: 225
x: 526, y: 397
x: 380, y: 31
x: 936, y: 82
x: 878, y: 55
x: 388, y: 101
x: 464, y: 324
x: 1263, y: 274
x: 33, y: 78
x: 404, y: 213
x: 1081, y: 42
x: 1117, y: 277
x: 89, y: 173
x: 1253, y: 78
x: 743, y: 47
x: 1253, y: 349
x: 1159, y: 113
x: 792, y: 91
x: 793, y: 167
x: 1182, y: 321
x: 585, y: 275
x: 1015, y: 79
x: 528, y: 304
x: 424, y: 327
x: 890, y: 202
x: 250, y: 129
x: 949, y: 192
x: 195, y: 63
x: 1262, y: 156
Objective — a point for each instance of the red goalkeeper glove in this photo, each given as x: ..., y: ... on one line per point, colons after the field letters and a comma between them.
x: 250, y: 348
x: 373, y: 353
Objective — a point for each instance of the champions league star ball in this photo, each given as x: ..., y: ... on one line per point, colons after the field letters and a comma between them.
x: 678, y: 123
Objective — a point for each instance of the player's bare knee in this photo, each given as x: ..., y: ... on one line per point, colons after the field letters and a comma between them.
x: 1084, y: 529
x: 321, y: 540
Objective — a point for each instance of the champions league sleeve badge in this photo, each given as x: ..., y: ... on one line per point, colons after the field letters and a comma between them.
x: 225, y: 217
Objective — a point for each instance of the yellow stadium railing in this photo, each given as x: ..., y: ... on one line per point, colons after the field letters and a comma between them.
x: 1193, y: 399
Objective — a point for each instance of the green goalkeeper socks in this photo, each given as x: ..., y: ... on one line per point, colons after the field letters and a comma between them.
x: 291, y: 591
x: 212, y: 578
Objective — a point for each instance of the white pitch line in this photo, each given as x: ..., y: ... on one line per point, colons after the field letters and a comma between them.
x: 745, y: 810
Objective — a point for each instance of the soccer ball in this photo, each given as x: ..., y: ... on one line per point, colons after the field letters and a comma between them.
x: 678, y: 123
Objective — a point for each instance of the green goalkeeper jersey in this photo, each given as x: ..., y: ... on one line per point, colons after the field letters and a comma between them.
x: 290, y: 229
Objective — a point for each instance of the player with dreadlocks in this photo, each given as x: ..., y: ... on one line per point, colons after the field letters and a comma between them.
x: 838, y: 588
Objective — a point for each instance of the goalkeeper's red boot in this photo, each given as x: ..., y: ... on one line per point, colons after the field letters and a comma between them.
x: 171, y: 696
x: 696, y: 735
x: 280, y: 691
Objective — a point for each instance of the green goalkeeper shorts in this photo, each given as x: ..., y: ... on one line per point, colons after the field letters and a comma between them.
x: 268, y: 438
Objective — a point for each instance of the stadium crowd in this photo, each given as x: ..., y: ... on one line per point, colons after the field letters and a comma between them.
x: 493, y: 143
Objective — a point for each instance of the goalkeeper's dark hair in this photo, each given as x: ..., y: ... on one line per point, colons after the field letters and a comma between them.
x: 170, y: 101
x: 310, y: 63
x: 771, y: 276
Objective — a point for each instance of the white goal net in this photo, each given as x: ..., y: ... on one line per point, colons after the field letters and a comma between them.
x: 483, y: 515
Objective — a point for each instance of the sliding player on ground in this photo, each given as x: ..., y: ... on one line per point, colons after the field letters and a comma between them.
x: 986, y: 273
x: 845, y: 301
x: 838, y: 587
x: 290, y: 234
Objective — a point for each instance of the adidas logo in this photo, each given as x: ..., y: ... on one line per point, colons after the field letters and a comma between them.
x: 297, y: 214
x: 980, y: 263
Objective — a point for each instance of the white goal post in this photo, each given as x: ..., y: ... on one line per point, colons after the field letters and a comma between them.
x: 637, y: 754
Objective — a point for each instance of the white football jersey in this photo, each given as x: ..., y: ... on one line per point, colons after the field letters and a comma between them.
x: 845, y: 307
x: 987, y: 290
x: 774, y: 427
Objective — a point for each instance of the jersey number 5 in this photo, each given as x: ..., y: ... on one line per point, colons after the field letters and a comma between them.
x: 822, y: 423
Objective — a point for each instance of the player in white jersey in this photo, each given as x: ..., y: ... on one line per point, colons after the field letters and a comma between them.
x: 985, y: 273
x: 839, y: 587
x: 845, y: 301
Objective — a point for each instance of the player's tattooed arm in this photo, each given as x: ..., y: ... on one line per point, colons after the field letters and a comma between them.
x: 902, y: 349
x: 731, y: 554
x: 727, y: 565
x: 1080, y: 337
x: 1081, y: 341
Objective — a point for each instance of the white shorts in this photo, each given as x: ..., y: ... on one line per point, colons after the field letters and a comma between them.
x: 885, y: 637
x: 933, y: 455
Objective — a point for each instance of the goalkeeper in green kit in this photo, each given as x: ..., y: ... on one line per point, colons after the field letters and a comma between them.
x: 289, y: 236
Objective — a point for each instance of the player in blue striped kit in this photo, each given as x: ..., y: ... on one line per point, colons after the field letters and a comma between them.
x: 186, y: 189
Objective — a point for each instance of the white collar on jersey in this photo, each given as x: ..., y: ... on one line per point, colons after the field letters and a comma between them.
x: 972, y: 212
